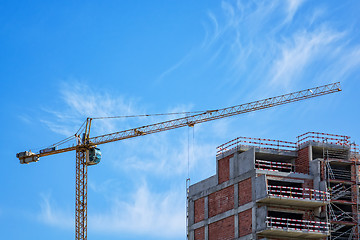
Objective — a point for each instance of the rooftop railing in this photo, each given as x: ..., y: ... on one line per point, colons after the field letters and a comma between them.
x: 262, y: 143
x: 257, y: 142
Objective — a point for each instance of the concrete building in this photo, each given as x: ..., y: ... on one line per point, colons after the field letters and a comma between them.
x: 272, y: 189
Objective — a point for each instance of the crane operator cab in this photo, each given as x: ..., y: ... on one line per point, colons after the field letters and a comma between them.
x: 93, y: 156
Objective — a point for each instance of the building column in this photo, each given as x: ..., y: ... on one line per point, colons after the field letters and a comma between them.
x: 206, y: 216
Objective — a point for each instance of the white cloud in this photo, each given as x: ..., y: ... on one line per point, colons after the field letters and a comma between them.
x: 163, y: 154
x: 173, y: 67
x: 291, y: 9
x: 52, y: 215
x: 145, y: 214
x: 148, y: 214
x: 80, y: 101
x: 298, y: 52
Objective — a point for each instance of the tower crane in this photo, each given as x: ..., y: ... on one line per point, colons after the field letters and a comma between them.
x: 88, y: 154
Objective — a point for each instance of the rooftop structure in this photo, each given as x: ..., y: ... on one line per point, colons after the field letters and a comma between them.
x: 272, y: 189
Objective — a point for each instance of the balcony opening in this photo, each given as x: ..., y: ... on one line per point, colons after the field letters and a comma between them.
x: 284, y: 183
x: 287, y: 215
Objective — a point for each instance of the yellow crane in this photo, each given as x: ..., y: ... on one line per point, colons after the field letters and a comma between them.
x: 88, y: 154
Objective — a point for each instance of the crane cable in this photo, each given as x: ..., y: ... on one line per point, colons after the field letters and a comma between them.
x: 149, y: 115
x: 82, y: 127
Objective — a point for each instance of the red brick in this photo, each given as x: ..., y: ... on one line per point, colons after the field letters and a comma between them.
x: 353, y: 173
x: 302, y: 161
x: 224, y: 169
x: 199, y: 234
x: 309, y: 215
x: 245, y: 222
x: 308, y: 183
x: 245, y: 191
x: 322, y: 171
x: 221, y: 201
x: 199, y: 210
x: 222, y: 230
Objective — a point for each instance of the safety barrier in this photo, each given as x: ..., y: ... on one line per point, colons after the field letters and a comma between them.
x: 298, y: 193
x: 297, y: 225
x: 264, y: 143
x: 257, y: 142
x: 274, y: 166
x: 324, y: 138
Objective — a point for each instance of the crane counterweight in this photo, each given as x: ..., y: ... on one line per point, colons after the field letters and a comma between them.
x: 27, y: 157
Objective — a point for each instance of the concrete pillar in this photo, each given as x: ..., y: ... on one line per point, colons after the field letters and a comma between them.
x: 206, y: 207
x: 191, y: 212
x: 236, y: 195
x: 233, y: 166
x: 206, y: 229
x: 236, y: 225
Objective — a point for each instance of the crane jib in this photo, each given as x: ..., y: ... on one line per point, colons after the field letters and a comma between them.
x: 217, y: 114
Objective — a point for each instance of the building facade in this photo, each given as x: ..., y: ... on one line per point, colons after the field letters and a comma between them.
x: 272, y: 189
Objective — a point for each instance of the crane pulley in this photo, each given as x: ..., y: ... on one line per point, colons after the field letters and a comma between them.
x: 87, y: 152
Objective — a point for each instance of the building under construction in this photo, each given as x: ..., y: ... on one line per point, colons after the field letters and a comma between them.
x: 272, y: 189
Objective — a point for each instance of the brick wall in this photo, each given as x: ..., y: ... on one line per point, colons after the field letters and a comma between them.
x: 222, y: 230
x: 302, y: 161
x: 199, y: 210
x: 224, y: 169
x: 245, y: 192
x: 354, y: 194
x: 309, y: 215
x: 353, y: 173
x: 199, y: 233
x: 322, y: 171
x: 308, y: 183
x: 245, y: 222
x: 221, y: 201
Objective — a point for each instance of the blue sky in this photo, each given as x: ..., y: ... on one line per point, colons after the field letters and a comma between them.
x: 63, y: 61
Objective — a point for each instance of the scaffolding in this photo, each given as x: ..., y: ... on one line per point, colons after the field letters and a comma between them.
x: 341, y: 173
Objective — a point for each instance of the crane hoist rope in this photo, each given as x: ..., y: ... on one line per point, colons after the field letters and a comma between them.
x: 88, y: 154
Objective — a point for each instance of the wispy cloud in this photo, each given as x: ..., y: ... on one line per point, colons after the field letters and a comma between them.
x: 291, y: 9
x: 52, y: 215
x: 298, y: 52
x: 163, y: 155
x: 276, y: 45
x: 79, y: 101
x: 146, y: 214
x: 173, y: 68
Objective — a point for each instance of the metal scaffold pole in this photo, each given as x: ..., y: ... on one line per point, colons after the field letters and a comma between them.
x: 81, y: 195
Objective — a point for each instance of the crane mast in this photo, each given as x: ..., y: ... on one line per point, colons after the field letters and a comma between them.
x: 86, y: 145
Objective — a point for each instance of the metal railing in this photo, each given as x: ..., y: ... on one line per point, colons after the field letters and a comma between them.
x: 274, y: 166
x: 341, y: 140
x: 257, y: 142
x: 287, y: 224
x: 298, y: 193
